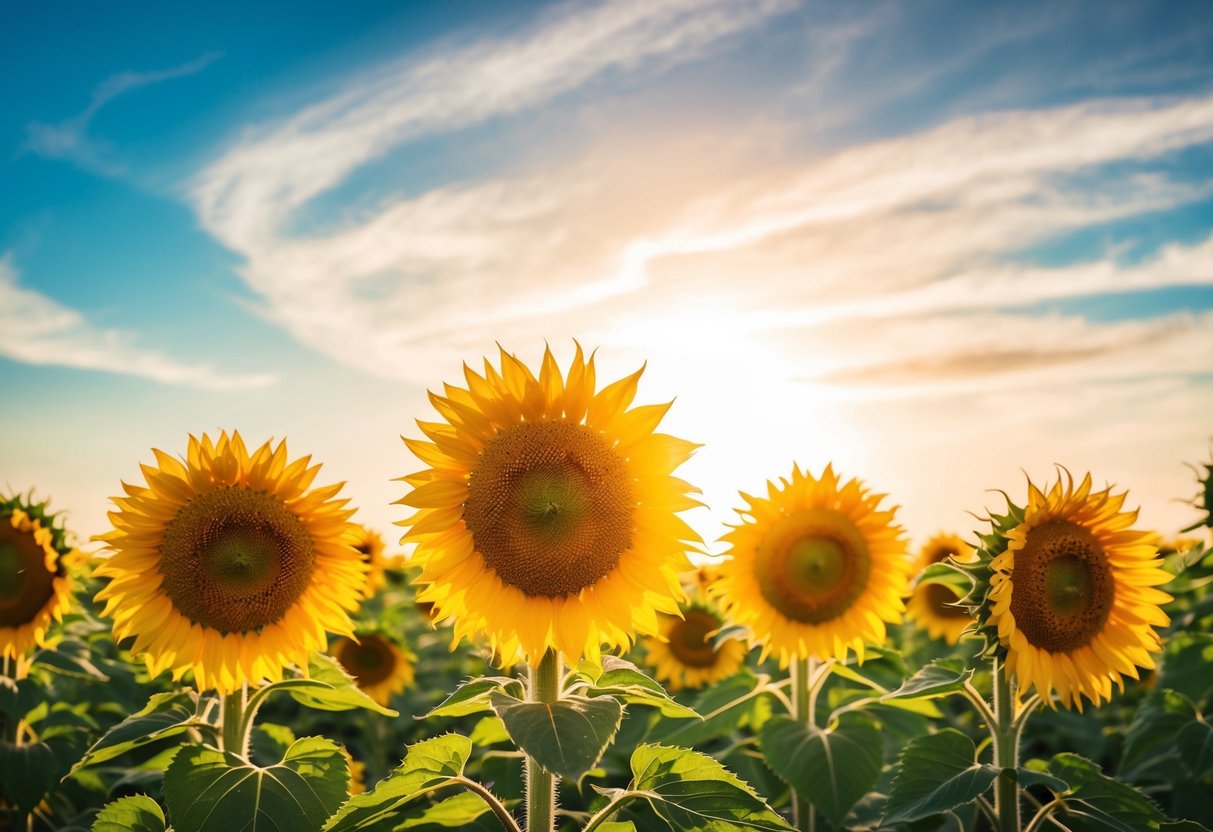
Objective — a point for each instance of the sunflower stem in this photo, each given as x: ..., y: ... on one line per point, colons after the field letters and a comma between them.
x: 541, y: 784
x: 235, y: 735
x: 808, y: 675
x: 1005, y: 733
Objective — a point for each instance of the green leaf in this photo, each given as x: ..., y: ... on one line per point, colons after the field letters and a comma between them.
x: 137, y: 813
x: 1196, y: 747
x: 723, y: 706
x: 1150, y: 740
x: 1097, y: 803
x: 489, y: 730
x: 270, y: 742
x: 207, y: 790
x: 342, y: 692
x: 1183, y: 826
x: 472, y: 697
x: 70, y: 657
x: 165, y: 715
x: 30, y: 771
x: 428, y: 765
x: 937, y: 773
x: 1188, y: 666
x: 568, y: 736
x: 832, y: 768
x: 624, y: 681
x: 948, y: 575
x: 18, y: 697
x: 457, y: 811
x: 942, y: 677
x: 689, y: 790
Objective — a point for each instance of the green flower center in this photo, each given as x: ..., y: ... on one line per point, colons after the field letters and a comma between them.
x: 550, y: 507
x: 235, y: 560
x: 1062, y: 586
x: 812, y: 565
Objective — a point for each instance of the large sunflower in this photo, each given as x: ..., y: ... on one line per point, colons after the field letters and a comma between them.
x: 935, y: 607
x: 546, y: 517
x: 378, y: 664
x: 226, y: 564
x: 684, y: 655
x: 35, y: 586
x: 815, y: 569
x: 1072, y: 597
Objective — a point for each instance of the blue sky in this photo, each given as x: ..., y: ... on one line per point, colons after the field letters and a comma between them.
x: 940, y: 244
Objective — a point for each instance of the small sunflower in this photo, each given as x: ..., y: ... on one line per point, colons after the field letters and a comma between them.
x: 935, y: 607
x: 684, y: 656
x: 815, y: 569
x: 370, y: 547
x: 35, y: 585
x: 1072, y: 597
x: 377, y: 663
x: 547, y: 516
x: 226, y: 564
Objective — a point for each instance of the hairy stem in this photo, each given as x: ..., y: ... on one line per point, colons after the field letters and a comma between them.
x: 235, y: 737
x: 1005, y: 731
x: 808, y: 675
x: 541, y: 784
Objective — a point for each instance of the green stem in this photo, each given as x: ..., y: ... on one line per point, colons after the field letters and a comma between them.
x: 235, y: 735
x: 808, y: 675
x: 541, y: 784
x: 490, y: 799
x: 1005, y: 732
x: 600, y: 817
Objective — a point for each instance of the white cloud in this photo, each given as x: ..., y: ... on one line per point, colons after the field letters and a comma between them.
x: 36, y: 329
x: 69, y: 139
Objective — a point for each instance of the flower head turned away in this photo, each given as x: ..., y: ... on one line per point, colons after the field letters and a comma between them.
x: 35, y: 582
x: 1066, y: 592
x: 935, y: 607
x: 815, y: 569
x: 547, y: 515
x: 379, y: 665
x: 370, y: 547
x: 229, y: 564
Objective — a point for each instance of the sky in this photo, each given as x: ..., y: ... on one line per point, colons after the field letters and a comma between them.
x: 943, y: 245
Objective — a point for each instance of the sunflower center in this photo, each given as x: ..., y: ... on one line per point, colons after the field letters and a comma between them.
x: 370, y: 662
x: 550, y: 507
x: 235, y: 559
x: 1062, y: 587
x: 941, y: 599
x: 812, y: 565
x: 689, y: 642
x: 25, y: 585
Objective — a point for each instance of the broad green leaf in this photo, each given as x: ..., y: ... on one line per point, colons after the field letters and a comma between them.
x: 626, y: 682
x: 939, y: 678
x: 472, y: 697
x: 1183, y: 826
x: 270, y: 742
x: 1150, y: 738
x: 722, y: 707
x: 489, y: 730
x: 1097, y: 803
x: 937, y: 773
x: 1196, y: 747
x: 70, y: 657
x: 689, y: 790
x: 566, y: 737
x: 137, y: 813
x: 342, y: 693
x: 165, y: 715
x: 207, y: 790
x: 1188, y: 666
x: 455, y: 812
x: 30, y: 771
x: 948, y: 575
x: 428, y: 765
x: 832, y: 768
x: 18, y: 697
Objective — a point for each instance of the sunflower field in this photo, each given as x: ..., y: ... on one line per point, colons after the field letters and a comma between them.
x: 549, y: 646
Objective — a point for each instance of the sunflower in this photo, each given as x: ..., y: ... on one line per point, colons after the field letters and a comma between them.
x: 815, y: 569
x: 935, y: 607
x: 379, y: 666
x: 226, y: 564
x: 1072, y: 597
x: 370, y: 547
x: 684, y: 656
x: 35, y: 586
x: 547, y: 516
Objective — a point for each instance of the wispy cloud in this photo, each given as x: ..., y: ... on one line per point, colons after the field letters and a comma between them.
x: 36, y: 329
x: 69, y: 140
